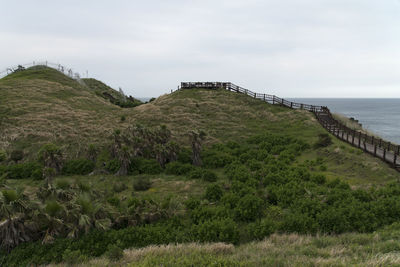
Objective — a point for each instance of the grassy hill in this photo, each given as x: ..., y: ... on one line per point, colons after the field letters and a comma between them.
x: 262, y: 177
x: 41, y: 105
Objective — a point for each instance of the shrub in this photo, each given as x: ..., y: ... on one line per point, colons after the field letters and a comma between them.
x: 63, y: 184
x: 72, y: 257
x: 214, y: 192
x: 114, y: 253
x: 185, y: 156
x: 204, y: 213
x: 178, y: 168
x: 112, y: 166
x: 123, y: 118
x: 3, y: 155
x: 220, y: 230
x: 16, y: 155
x: 141, y: 184
x: 206, y: 175
x: 324, y: 140
x: 78, y: 167
x: 216, y: 159
x: 119, y: 187
x: 262, y: 229
x: 249, y: 208
x: 113, y: 200
x: 144, y: 166
x: 192, y: 203
x: 24, y: 170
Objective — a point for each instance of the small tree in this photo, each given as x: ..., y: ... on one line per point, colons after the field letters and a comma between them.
x: 124, y: 157
x: 196, y: 139
x: 51, y: 157
x: 16, y: 155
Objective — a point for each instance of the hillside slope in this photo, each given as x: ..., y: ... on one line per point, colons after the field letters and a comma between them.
x: 42, y: 105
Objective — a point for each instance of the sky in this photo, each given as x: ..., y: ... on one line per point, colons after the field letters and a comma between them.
x: 290, y: 48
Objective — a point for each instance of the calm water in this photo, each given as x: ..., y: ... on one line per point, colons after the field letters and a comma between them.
x: 380, y: 116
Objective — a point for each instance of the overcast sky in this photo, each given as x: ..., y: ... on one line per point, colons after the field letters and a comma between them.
x: 291, y: 48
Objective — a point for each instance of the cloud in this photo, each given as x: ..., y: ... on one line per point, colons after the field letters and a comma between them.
x: 292, y: 48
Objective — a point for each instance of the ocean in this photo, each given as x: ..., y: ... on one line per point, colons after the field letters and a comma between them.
x: 377, y: 115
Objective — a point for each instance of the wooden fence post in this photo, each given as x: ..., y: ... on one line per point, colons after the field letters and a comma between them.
x: 359, y: 140
x: 394, y: 159
x: 352, y: 137
x: 380, y: 142
x: 264, y: 97
x: 384, y: 154
x: 375, y: 146
x: 365, y: 146
x: 398, y: 150
x: 373, y: 139
x: 388, y: 148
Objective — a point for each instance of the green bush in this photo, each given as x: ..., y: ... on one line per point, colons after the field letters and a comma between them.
x: 24, y: 170
x: 114, y: 200
x: 63, y: 184
x: 144, y: 166
x: 141, y: 184
x: 119, y: 187
x: 78, y: 167
x: 214, y: 192
x: 203, y: 213
x: 185, y: 156
x: 262, y: 229
x: 112, y: 166
x: 114, y: 253
x: 3, y: 155
x: 16, y: 155
x: 73, y: 257
x: 221, y: 230
x: 249, y: 208
x: 178, y: 168
x: 200, y: 173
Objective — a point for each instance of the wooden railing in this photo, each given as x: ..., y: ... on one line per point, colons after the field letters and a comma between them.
x: 377, y: 147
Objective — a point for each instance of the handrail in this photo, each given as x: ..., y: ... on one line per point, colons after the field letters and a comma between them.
x: 65, y: 70
x: 378, y: 147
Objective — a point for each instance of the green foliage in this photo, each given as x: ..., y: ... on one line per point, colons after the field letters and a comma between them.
x: 23, y: 171
x: 214, y: 192
x: 63, y: 184
x: 324, y: 140
x: 114, y: 200
x: 249, y: 208
x: 178, y: 168
x: 123, y: 118
x: 119, y: 187
x: 78, y: 167
x: 17, y: 155
x: 73, y: 257
x: 3, y: 155
x: 200, y: 173
x: 114, y: 253
x: 141, y: 183
x: 225, y: 230
x: 262, y: 229
x: 113, y: 166
x: 144, y: 166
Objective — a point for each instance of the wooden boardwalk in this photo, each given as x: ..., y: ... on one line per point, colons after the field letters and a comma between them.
x: 377, y: 147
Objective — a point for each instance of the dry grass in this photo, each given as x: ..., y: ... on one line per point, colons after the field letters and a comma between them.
x: 277, y: 250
